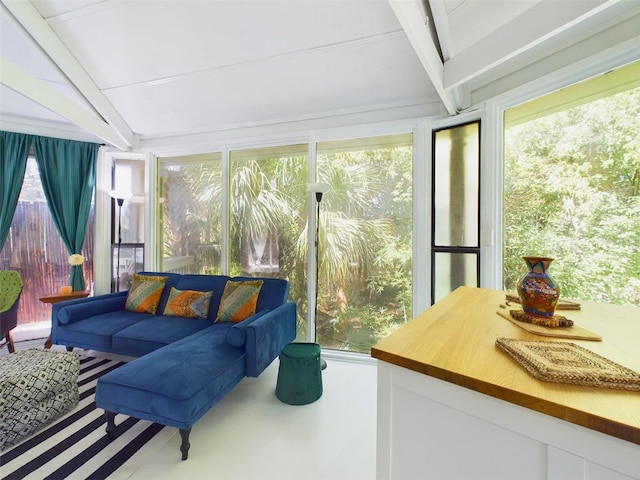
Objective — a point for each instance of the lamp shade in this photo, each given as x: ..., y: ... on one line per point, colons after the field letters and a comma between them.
x: 120, y: 194
x: 318, y: 187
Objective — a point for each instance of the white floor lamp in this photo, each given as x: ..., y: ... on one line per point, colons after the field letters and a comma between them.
x: 318, y: 189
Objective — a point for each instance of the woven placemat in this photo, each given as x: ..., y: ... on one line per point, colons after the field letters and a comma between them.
x: 565, y: 362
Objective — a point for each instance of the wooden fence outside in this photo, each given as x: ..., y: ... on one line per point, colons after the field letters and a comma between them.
x: 34, y: 249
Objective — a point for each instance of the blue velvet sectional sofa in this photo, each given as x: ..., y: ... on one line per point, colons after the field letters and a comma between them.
x: 184, y: 365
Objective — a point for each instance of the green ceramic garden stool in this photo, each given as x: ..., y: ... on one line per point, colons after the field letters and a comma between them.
x: 299, y: 374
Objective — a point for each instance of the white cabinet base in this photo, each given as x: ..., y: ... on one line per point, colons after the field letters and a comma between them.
x: 429, y: 428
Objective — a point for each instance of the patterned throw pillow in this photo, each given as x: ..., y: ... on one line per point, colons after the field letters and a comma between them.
x: 187, y: 303
x: 144, y: 294
x: 239, y: 300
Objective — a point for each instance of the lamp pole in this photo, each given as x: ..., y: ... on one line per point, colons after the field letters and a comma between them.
x: 120, y: 202
x: 319, y: 189
x: 119, y: 196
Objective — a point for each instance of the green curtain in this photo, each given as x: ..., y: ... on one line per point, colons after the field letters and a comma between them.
x: 14, y: 151
x: 68, y: 174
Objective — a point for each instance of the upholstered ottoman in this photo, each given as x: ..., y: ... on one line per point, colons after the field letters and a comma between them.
x: 299, y: 374
x: 36, y: 387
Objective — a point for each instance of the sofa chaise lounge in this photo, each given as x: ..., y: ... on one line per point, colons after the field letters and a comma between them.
x: 189, y: 356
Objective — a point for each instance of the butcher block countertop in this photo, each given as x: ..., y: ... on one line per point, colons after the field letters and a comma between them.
x: 454, y: 340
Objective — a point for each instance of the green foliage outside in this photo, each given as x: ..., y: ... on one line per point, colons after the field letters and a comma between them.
x: 572, y: 192
x: 191, y: 219
x: 365, y: 282
x: 365, y: 237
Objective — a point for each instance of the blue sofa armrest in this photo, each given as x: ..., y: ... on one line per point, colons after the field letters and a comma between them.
x: 237, y: 335
x: 71, y: 311
x: 267, y: 335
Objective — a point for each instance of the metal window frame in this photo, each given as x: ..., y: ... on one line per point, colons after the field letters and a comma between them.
x: 453, y: 248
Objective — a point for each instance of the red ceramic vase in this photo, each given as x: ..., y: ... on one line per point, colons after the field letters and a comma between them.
x: 538, y: 292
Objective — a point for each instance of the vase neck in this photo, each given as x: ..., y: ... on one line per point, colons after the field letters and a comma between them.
x: 538, y: 264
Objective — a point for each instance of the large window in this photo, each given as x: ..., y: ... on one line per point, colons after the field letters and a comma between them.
x: 365, y: 231
x: 572, y: 188
x: 34, y: 248
x: 268, y: 211
x: 365, y: 240
x: 190, y: 213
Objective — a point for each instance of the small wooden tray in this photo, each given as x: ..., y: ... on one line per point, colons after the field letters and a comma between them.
x: 562, y: 304
x: 575, y: 332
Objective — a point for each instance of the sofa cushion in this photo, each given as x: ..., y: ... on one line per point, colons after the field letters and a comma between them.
x: 187, y: 303
x: 155, y: 332
x: 177, y: 384
x: 145, y: 292
x: 96, y: 332
x: 239, y: 300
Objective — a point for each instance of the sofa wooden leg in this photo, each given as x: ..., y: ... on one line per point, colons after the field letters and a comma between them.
x: 10, y: 345
x: 111, y: 424
x: 184, y: 448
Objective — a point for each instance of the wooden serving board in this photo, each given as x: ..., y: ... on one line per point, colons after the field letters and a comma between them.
x: 562, y: 304
x: 574, y: 332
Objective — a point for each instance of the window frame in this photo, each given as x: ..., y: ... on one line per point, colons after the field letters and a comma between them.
x: 455, y: 249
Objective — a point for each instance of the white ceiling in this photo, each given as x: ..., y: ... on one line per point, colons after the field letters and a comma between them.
x: 145, y: 74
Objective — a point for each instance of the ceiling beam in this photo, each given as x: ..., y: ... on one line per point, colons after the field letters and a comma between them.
x: 27, y: 15
x: 441, y: 24
x: 38, y: 91
x: 539, y: 23
x: 599, y: 53
x: 412, y: 19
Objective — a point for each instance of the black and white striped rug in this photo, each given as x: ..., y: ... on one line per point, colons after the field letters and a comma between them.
x: 75, y: 446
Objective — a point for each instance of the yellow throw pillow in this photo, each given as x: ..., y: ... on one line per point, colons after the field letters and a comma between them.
x: 239, y: 300
x: 187, y: 303
x: 144, y: 294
